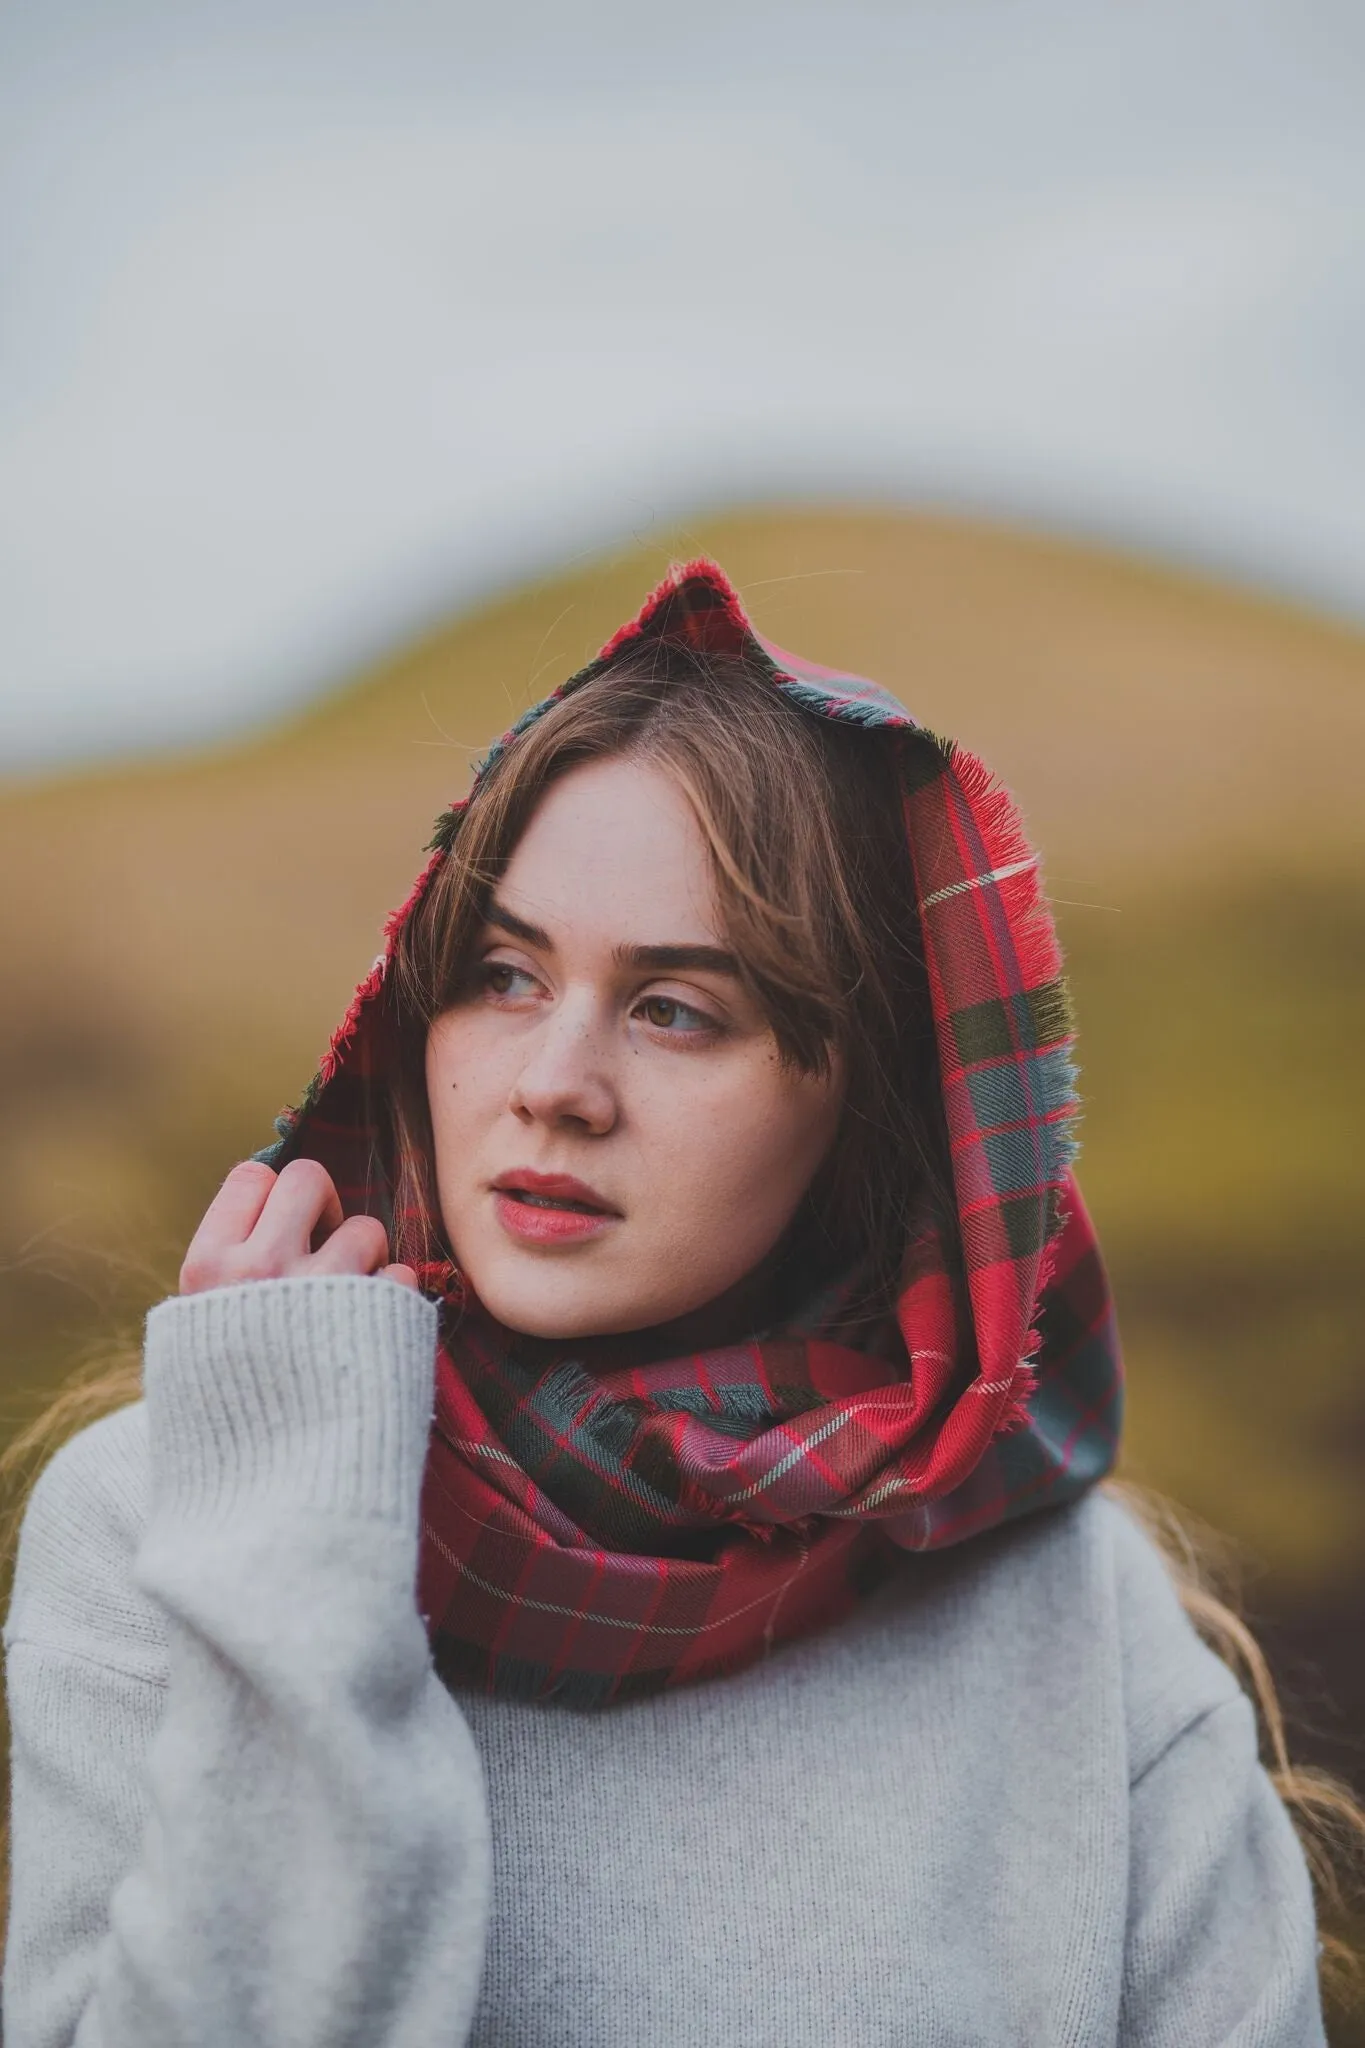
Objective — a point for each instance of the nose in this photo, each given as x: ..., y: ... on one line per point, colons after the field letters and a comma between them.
x: 564, y: 1081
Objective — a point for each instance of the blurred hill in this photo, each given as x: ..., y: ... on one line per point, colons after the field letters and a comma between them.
x: 181, y: 937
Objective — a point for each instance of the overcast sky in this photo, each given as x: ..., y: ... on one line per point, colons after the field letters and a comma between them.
x: 319, y: 320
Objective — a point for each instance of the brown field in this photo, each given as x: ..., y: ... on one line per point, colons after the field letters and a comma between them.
x: 180, y: 937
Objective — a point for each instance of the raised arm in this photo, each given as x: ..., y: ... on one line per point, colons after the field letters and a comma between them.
x: 269, y: 1825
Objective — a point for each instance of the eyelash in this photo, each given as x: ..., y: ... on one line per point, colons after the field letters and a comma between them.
x: 704, y: 1027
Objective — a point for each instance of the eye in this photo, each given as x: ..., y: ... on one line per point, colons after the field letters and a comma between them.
x: 501, y: 978
x: 666, y: 1013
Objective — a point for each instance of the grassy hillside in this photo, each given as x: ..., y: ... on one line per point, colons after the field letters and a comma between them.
x: 1188, y: 756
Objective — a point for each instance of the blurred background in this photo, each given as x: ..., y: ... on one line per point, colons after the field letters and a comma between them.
x: 361, y: 368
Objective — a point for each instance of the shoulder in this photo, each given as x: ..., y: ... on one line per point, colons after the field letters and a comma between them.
x: 1069, y: 1613
x: 74, y: 1590
x: 1172, y: 1679
x: 1095, y: 1561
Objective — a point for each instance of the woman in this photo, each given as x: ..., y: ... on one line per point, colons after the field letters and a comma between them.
x: 609, y: 1548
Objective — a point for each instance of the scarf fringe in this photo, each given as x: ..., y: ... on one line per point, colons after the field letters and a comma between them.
x: 1001, y: 824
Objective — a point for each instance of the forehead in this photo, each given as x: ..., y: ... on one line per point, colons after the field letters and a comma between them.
x: 613, y: 851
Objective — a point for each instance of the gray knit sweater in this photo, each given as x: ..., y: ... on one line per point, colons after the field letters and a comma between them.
x: 1012, y: 1800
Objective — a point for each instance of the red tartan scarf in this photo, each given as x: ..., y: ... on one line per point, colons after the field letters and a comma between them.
x: 591, y: 1534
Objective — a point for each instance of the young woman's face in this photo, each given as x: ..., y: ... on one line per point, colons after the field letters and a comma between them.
x: 617, y: 1141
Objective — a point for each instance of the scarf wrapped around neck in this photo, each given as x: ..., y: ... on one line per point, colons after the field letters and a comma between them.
x: 594, y: 1530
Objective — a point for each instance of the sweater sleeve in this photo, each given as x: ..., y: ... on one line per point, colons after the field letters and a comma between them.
x: 281, y: 1837
x: 1222, y: 1945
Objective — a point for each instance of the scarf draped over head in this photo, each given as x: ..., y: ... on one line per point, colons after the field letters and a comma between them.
x: 592, y: 1535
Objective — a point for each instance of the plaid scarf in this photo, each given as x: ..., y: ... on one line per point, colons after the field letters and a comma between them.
x: 593, y: 1531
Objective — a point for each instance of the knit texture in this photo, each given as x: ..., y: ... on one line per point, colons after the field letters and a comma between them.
x: 1009, y: 1799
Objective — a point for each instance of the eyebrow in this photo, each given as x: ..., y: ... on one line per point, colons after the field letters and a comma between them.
x: 651, y: 959
x: 508, y: 921
x: 679, y: 959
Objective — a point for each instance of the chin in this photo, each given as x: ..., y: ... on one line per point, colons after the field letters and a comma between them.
x: 564, y: 1322
x: 551, y: 1301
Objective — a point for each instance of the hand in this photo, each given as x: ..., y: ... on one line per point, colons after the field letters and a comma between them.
x: 262, y: 1225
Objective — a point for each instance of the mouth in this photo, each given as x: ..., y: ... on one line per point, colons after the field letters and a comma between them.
x: 550, y: 1208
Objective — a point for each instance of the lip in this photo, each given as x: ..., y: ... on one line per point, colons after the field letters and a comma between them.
x: 542, y: 1222
x: 563, y: 1186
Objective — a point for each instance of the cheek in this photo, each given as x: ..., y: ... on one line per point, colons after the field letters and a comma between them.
x: 747, y: 1159
x: 464, y: 1083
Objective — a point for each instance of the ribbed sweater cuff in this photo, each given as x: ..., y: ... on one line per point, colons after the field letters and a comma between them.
x: 318, y: 1391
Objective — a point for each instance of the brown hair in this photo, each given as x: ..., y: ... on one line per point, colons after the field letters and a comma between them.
x: 803, y: 823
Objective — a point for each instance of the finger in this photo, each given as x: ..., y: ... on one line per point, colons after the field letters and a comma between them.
x: 232, y: 1214
x: 402, y: 1276
x: 302, y: 1202
x: 359, y: 1245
